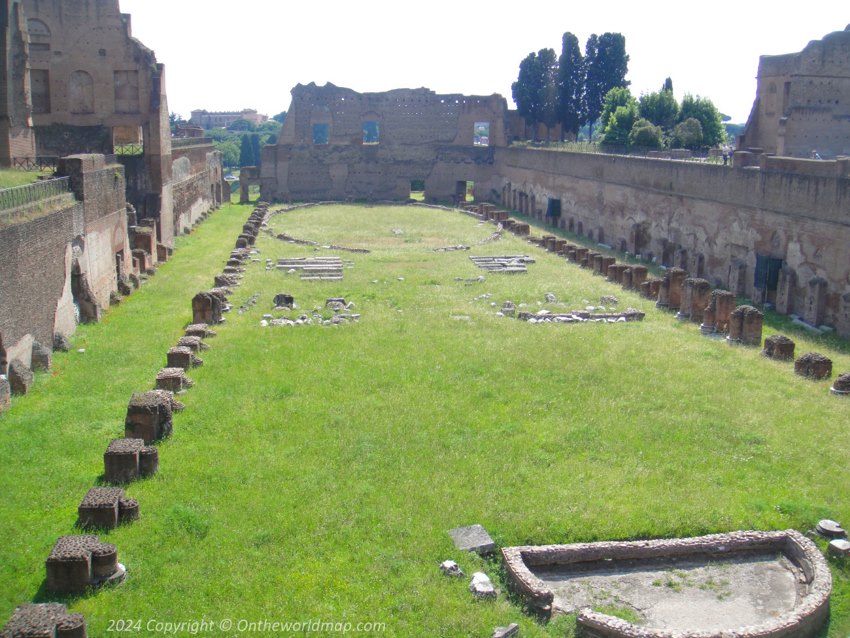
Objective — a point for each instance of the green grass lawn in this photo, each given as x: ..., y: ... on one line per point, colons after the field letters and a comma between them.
x: 13, y: 177
x: 316, y: 470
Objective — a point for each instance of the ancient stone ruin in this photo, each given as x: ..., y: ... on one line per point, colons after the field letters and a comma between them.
x: 173, y: 379
x: 813, y: 365
x: 79, y: 562
x: 738, y: 585
x: 716, y: 316
x: 841, y: 385
x: 509, y: 264
x: 182, y: 357
x: 779, y: 347
x: 314, y: 268
x: 46, y: 620
x: 194, y: 343
x: 207, y: 308
x: 201, y: 330
x: 149, y: 415
x: 126, y: 460
x: 745, y: 326
x: 106, y: 508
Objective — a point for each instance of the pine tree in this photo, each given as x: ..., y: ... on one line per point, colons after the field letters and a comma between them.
x: 570, y: 85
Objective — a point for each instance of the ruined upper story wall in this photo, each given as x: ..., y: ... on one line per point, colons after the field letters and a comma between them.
x: 404, y: 116
x: 87, y: 69
x: 803, y: 100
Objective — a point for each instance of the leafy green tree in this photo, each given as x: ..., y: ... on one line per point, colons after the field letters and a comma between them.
x: 175, y: 120
x: 271, y: 126
x: 230, y: 150
x: 607, y: 63
x: 645, y: 134
x: 246, y: 152
x: 660, y: 108
x: 703, y: 110
x: 616, y: 97
x: 242, y: 125
x: 535, y: 91
x: 668, y: 85
x: 620, y: 125
x: 570, y: 85
x: 280, y: 117
x: 688, y: 134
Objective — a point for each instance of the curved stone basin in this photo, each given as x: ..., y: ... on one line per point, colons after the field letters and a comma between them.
x: 745, y: 584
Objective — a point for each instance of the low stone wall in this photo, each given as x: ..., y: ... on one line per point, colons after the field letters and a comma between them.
x: 810, y: 613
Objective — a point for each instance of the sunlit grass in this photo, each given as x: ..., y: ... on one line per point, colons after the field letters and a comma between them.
x: 315, y: 470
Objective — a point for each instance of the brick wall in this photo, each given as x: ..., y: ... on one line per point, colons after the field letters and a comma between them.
x: 33, y: 275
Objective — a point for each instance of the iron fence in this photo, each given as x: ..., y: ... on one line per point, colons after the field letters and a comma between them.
x: 17, y: 196
x: 35, y: 163
x: 129, y: 149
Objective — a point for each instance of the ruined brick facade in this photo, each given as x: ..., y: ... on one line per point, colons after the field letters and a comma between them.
x: 803, y: 101
x: 775, y: 231
x: 16, y: 135
x: 95, y: 88
x: 340, y: 144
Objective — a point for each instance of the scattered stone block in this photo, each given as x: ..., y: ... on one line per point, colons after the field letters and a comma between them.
x: 839, y: 547
x: 284, y: 300
x: 183, y: 357
x: 840, y: 386
x: 779, y: 347
x: 201, y: 330
x: 451, y: 568
x: 473, y: 538
x: 20, y: 377
x: 173, y: 380
x: 149, y: 416
x: 506, y: 632
x: 482, y: 587
x: 46, y: 620
x: 61, y: 343
x: 207, y: 308
x: 813, y: 365
x: 639, y: 275
x: 716, y: 315
x: 508, y: 309
x: 745, y: 326
x: 126, y: 460
x: 79, y: 562
x: 42, y: 357
x: 195, y: 344
x: 106, y: 508
x: 830, y: 529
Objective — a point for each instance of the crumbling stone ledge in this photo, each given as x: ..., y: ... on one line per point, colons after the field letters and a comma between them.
x: 79, y: 562
x: 44, y: 620
x: 581, y: 316
x: 805, y: 619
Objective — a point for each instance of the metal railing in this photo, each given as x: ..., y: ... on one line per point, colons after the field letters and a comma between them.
x: 18, y: 196
x: 35, y: 163
x: 129, y: 149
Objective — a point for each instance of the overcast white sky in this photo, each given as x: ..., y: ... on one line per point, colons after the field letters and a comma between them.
x: 224, y: 56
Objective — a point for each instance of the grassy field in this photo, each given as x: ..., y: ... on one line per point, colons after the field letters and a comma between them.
x: 316, y: 470
x: 13, y: 177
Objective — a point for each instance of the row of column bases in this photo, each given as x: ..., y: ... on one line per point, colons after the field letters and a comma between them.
x: 80, y: 562
x: 693, y: 299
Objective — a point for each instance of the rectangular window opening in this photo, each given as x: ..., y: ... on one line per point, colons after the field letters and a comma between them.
x: 371, y: 132
x: 321, y: 134
x: 417, y: 189
x: 481, y: 134
x: 553, y: 208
